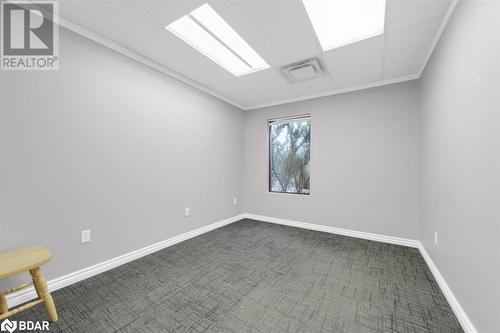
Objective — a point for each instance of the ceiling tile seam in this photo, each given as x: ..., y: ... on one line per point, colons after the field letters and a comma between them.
x: 311, y: 27
x: 208, y: 31
x: 415, y: 24
x: 375, y: 84
x: 255, y: 94
x: 384, y: 51
x: 161, y: 23
x: 294, y: 86
x: 328, y: 70
x: 440, y: 18
x: 384, y: 56
x: 126, y: 52
x: 444, y: 21
x: 76, y: 28
x: 279, y: 72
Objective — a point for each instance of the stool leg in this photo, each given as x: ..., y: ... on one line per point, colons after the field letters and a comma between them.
x: 3, y: 304
x: 43, y: 292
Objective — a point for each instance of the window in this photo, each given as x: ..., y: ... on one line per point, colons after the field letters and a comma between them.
x: 289, y: 155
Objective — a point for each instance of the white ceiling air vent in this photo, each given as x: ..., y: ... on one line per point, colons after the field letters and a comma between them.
x: 305, y: 70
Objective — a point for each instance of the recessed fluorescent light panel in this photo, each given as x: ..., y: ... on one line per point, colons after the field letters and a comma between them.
x: 341, y: 22
x: 208, y: 33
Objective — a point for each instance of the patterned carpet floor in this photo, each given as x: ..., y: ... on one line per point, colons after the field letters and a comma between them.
x: 253, y: 276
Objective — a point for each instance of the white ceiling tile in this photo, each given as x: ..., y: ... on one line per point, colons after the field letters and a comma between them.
x: 356, y: 63
x: 279, y: 30
x: 403, y: 13
x: 316, y: 86
x: 122, y: 22
x: 269, y: 84
x: 236, y: 91
x: 164, y: 48
x: 406, y: 49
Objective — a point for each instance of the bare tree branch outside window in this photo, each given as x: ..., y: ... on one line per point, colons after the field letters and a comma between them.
x: 289, y: 155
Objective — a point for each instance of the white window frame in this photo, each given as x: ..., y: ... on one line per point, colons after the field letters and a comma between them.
x: 288, y: 119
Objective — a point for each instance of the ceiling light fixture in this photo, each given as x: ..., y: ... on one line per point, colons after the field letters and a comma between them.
x: 342, y: 22
x: 208, y: 33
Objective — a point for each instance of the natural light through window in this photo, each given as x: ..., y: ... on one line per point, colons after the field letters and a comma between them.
x: 211, y: 35
x: 289, y: 155
x: 341, y: 22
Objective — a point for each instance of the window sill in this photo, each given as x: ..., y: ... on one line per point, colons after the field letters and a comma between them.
x: 296, y: 195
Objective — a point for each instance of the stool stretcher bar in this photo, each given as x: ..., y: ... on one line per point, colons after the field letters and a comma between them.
x: 28, y: 259
x: 20, y: 309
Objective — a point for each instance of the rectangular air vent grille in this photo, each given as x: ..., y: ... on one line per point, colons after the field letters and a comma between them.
x: 306, y: 70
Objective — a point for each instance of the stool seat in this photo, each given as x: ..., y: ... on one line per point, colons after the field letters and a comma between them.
x: 28, y: 259
x: 23, y: 260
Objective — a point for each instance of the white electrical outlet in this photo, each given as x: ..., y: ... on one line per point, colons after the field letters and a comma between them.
x: 235, y: 201
x: 436, y: 237
x: 85, y: 236
x: 187, y: 211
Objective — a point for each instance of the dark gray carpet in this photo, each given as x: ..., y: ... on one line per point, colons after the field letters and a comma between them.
x: 258, y: 277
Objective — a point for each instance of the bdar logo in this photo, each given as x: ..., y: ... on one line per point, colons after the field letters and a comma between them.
x: 8, y: 326
x: 24, y: 325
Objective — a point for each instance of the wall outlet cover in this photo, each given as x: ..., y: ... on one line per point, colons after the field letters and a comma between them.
x: 85, y: 236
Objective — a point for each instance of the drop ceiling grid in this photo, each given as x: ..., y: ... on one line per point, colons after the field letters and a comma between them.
x: 278, y: 30
x: 411, y: 26
x: 349, y: 67
x: 379, y: 64
x: 406, y: 48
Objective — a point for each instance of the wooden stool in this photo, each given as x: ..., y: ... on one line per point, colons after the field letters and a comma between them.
x: 23, y: 260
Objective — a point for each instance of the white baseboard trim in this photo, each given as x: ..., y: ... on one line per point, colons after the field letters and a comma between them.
x: 27, y: 294
x: 338, y: 231
x: 452, y: 300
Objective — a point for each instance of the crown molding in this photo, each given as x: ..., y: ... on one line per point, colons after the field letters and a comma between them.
x: 336, y: 91
x: 65, y: 23
x: 78, y: 29
x: 439, y: 32
x: 416, y: 76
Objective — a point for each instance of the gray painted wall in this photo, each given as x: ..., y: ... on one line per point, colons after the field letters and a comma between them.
x: 364, y: 162
x: 111, y: 145
x: 108, y: 144
x: 461, y: 159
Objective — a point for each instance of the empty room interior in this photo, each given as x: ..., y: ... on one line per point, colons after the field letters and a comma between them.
x: 250, y: 166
